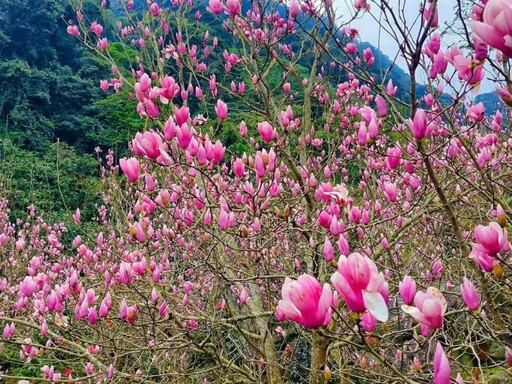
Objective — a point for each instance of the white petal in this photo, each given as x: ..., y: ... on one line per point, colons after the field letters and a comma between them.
x: 376, y: 305
x: 414, y: 312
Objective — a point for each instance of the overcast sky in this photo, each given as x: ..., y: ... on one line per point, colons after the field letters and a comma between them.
x: 370, y: 31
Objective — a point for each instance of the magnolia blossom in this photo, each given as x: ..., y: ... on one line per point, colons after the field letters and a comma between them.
x: 470, y: 294
x: 362, y: 286
x: 491, y: 239
x: 266, y: 131
x: 221, y: 109
x: 305, y: 302
x: 484, y: 260
x: 430, y: 308
x: 419, y: 124
x: 294, y: 9
x: 131, y: 168
x: 215, y: 6
x: 442, y: 368
x: 233, y: 7
x: 407, y: 289
x: 73, y: 30
x: 496, y: 28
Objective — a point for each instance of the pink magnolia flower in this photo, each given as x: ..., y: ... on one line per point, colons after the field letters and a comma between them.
x: 239, y: 167
x: 102, y: 44
x: 390, y: 88
x: 441, y: 366
x: 104, y: 85
x: 361, y: 285
x: 155, y: 9
x: 433, y: 45
x: 508, y: 356
x: 132, y: 314
x: 244, y: 296
x: 73, y: 30
x: 233, y: 7
x: 266, y: 131
x: 505, y: 95
x: 419, y: 124
x: 221, y: 109
x: 181, y: 115
x: 407, y: 289
x: 106, y: 305
x: 294, y: 9
x: 437, y: 268
x: 147, y: 143
x: 476, y: 112
x: 496, y: 28
x: 484, y: 260
x: 430, y: 308
x: 243, y: 129
x: 28, y: 286
x: 328, y: 250
x: 491, y: 239
x: 468, y: 70
x: 382, y: 109
x: 427, y: 15
x: 350, y: 48
x: 184, y: 134
x: 151, y: 108
x: 76, y: 215
x: 218, y: 151
x: 394, y: 156
x: 362, y: 134
x: 9, y: 331
x: 223, y: 220
x: 362, y: 4
x: 390, y: 190
x: 305, y: 302
x: 96, y: 28
x: 131, y: 168
x: 215, y: 6
x: 369, y: 322
x: 110, y: 372
x: 481, y: 49
x: 470, y: 295
x: 440, y: 62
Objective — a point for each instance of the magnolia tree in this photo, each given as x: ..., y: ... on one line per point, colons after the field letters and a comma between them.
x: 339, y: 234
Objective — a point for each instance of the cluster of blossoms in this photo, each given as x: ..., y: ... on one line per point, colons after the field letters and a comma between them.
x: 339, y: 213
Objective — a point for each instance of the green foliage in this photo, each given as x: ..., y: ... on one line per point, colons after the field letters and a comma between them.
x: 116, y: 122
x: 48, y: 84
x: 57, y: 182
x: 30, y: 30
x: 124, y: 56
x: 40, y: 105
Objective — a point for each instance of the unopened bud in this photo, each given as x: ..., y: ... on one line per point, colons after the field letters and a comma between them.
x: 372, y: 341
x: 327, y: 374
x: 497, y: 271
x: 502, y: 220
x: 286, y: 211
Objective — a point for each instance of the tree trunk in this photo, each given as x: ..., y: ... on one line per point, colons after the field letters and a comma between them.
x: 318, y: 358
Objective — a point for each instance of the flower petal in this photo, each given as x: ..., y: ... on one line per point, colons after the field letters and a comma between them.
x: 376, y: 305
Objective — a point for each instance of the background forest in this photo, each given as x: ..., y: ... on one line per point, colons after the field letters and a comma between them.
x: 52, y: 110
